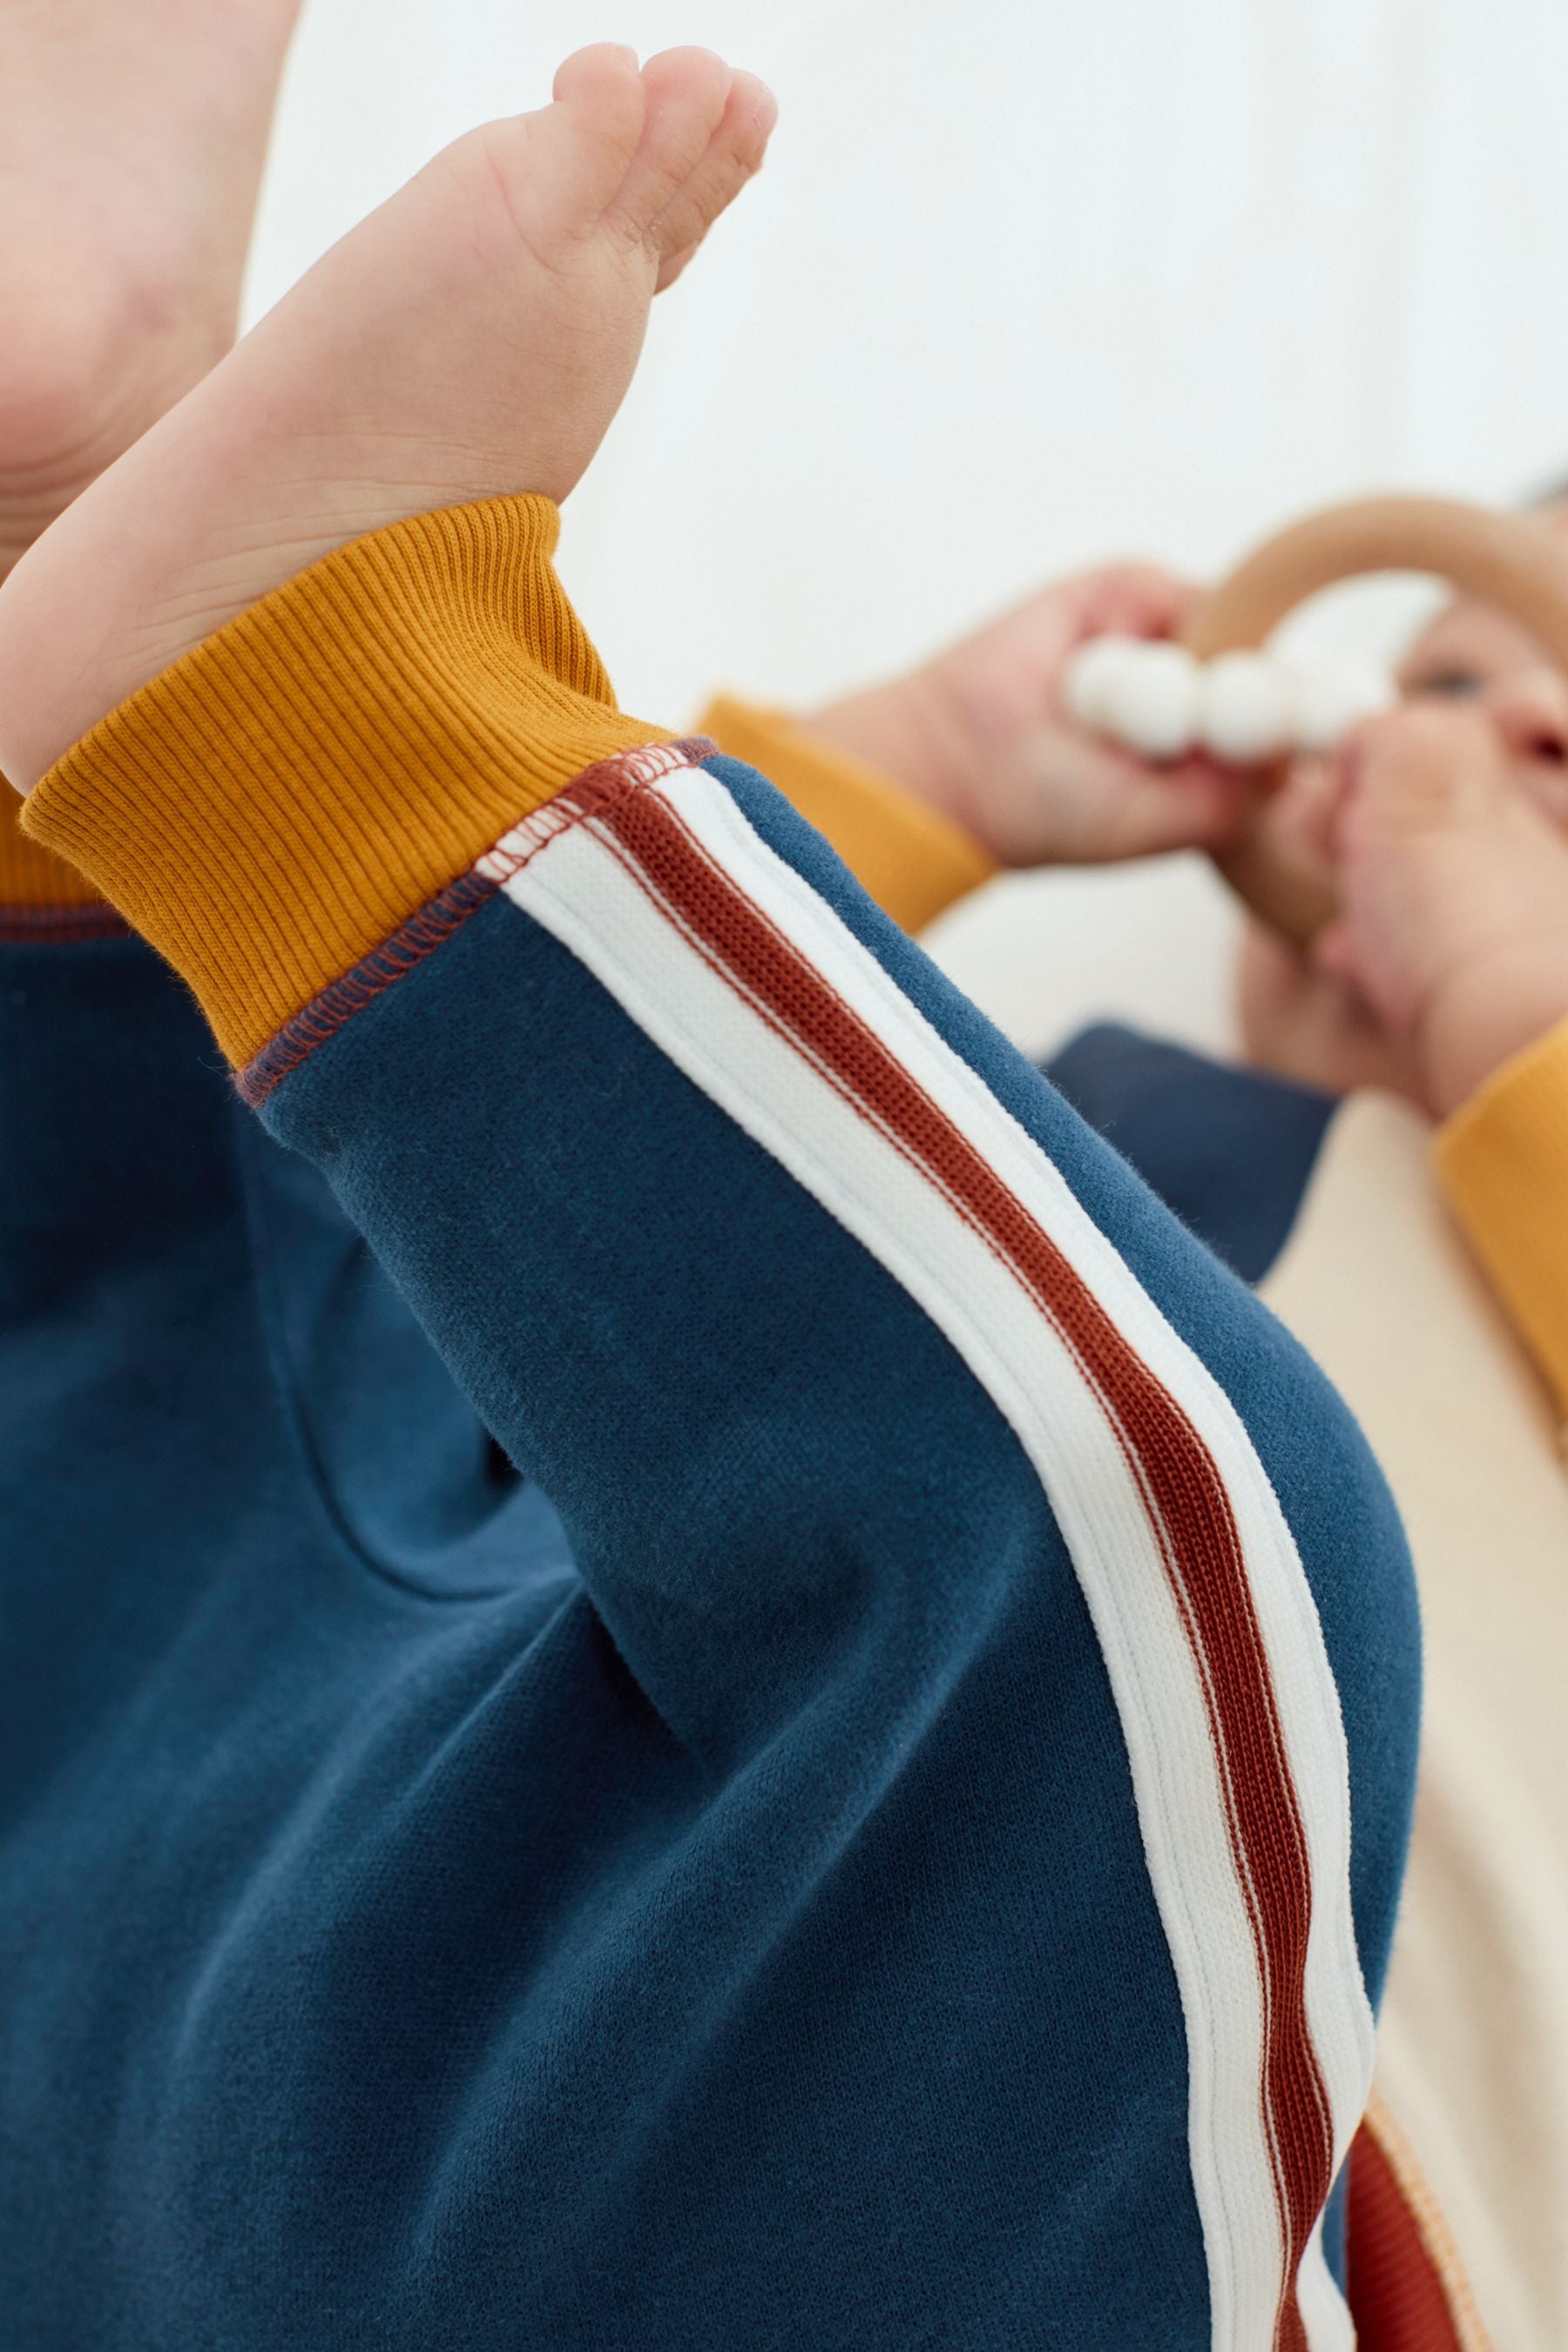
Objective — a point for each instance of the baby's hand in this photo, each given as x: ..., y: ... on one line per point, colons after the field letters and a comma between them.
x: 1454, y: 891
x: 979, y: 732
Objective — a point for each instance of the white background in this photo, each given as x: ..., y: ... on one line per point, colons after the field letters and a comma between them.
x: 1025, y: 283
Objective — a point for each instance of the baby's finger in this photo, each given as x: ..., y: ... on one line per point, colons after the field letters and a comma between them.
x: 1138, y: 600
x: 1415, y: 769
x: 1151, y: 811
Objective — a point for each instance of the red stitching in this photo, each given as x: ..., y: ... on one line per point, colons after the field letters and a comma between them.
x: 598, y: 788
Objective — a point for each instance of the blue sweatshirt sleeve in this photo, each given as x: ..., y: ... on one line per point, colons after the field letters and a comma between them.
x: 1012, y: 1643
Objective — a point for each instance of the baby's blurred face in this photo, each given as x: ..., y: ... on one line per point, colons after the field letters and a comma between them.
x: 1471, y: 653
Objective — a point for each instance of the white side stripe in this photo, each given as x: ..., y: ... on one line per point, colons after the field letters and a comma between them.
x: 582, y: 892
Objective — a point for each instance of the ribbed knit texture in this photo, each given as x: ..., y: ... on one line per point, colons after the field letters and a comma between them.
x: 1407, y: 2284
x: 279, y: 799
x: 30, y: 876
x: 1503, y: 1160
x: 681, y: 1678
x: 911, y: 859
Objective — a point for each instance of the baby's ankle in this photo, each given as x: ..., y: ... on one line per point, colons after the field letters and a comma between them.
x: 473, y: 337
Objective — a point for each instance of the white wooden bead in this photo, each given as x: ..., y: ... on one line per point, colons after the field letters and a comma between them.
x: 1152, y: 700
x: 1330, y: 696
x: 1089, y: 678
x: 1246, y: 709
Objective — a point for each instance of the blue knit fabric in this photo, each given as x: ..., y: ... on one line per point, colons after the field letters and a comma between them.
x: 559, y: 1791
x: 1230, y: 1151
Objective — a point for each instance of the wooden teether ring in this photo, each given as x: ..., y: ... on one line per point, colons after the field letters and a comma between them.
x: 1502, y: 559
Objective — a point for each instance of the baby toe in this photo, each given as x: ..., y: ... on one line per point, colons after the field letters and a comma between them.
x: 686, y: 93
x: 732, y: 155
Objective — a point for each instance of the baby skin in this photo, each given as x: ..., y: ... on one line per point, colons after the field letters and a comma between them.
x: 1454, y: 935
x: 131, y: 141
x: 1446, y: 824
x: 1443, y: 826
x: 474, y: 336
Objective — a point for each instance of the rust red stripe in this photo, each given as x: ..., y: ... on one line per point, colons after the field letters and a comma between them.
x: 1188, y: 1505
x: 1398, y: 2296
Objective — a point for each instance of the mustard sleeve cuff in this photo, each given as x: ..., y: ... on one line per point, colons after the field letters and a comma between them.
x: 267, y: 810
x: 1503, y: 1162
x: 41, y: 897
x: 912, y: 860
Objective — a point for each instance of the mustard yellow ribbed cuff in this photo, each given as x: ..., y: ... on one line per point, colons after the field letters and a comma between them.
x: 272, y: 806
x: 1503, y: 1161
x: 910, y: 858
x: 30, y: 876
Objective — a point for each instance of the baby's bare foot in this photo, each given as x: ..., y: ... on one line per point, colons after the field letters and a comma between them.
x: 131, y: 140
x: 473, y: 337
